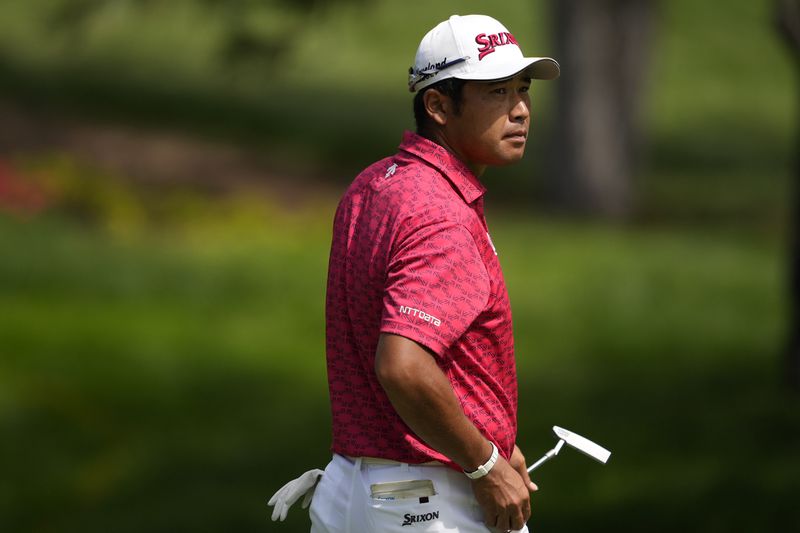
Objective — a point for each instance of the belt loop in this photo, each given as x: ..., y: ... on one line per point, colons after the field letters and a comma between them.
x: 353, y: 476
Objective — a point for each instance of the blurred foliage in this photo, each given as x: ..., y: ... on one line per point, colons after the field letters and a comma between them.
x: 150, y: 379
x: 722, y: 115
x: 83, y: 193
x: 161, y: 350
x: 61, y: 185
x: 170, y: 65
x: 324, y: 83
x: 258, y: 31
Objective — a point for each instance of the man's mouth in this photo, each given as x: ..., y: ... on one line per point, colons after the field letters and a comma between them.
x: 517, y: 135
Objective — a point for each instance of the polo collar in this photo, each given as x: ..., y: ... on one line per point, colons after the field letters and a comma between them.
x: 445, y: 162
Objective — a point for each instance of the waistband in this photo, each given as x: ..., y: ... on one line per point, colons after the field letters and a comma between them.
x: 388, y: 462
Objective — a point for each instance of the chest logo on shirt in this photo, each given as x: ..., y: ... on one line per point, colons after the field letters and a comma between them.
x: 420, y: 314
x: 390, y: 171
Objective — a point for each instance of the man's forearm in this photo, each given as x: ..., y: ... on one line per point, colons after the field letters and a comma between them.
x: 424, y: 398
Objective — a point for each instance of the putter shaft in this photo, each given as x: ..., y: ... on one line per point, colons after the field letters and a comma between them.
x: 538, y: 463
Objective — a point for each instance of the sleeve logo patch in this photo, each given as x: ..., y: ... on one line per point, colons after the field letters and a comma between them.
x: 420, y: 314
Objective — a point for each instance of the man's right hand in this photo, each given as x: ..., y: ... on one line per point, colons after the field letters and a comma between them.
x: 503, y: 497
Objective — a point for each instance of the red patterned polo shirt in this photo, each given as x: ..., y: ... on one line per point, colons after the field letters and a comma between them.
x: 411, y: 255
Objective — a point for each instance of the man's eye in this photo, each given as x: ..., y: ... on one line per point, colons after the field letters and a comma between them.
x: 525, y: 89
x: 500, y: 90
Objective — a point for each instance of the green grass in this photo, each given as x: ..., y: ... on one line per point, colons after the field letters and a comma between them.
x: 148, y: 384
x: 172, y: 379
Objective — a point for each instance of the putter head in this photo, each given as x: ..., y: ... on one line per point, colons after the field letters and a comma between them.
x: 595, y: 451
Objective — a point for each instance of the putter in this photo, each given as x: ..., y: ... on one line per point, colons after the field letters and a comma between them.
x: 595, y: 451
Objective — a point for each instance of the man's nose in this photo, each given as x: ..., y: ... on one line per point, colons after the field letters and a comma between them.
x: 521, y: 110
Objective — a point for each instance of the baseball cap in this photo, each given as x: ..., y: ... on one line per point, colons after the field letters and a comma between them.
x: 473, y: 47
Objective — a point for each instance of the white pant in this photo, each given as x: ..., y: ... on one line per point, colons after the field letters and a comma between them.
x: 343, y: 503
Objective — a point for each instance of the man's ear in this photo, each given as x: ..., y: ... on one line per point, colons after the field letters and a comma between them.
x: 437, y: 106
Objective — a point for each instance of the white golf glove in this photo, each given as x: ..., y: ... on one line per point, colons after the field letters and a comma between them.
x: 291, y: 492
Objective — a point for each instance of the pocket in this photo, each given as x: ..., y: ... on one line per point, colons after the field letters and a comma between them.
x: 404, y: 506
x: 402, y: 490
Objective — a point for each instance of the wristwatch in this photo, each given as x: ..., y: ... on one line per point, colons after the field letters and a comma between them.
x: 485, y: 467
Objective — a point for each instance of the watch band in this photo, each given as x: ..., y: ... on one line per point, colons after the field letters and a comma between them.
x: 485, y: 467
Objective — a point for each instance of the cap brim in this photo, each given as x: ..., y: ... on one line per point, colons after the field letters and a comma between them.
x: 539, y: 68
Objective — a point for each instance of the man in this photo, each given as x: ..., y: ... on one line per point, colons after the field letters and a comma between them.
x: 420, y: 352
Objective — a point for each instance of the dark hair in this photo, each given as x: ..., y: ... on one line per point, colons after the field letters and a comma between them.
x: 451, y: 87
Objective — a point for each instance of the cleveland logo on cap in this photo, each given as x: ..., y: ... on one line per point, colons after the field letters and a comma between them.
x: 491, y: 41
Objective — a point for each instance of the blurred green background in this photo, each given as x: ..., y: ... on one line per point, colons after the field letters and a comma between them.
x: 168, y: 176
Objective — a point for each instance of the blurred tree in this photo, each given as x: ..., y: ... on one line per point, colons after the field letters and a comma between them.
x: 257, y: 30
x: 262, y: 30
x: 603, y: 47
x: 788, y: 20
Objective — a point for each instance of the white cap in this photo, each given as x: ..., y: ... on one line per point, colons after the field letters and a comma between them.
x: 473, y: 47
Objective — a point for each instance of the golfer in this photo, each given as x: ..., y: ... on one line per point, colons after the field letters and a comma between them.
x: 420, y: 351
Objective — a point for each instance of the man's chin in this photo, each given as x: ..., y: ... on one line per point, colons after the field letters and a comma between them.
x: 509, y: 158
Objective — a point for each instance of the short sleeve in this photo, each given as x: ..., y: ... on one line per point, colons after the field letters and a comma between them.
x: 437, y: 284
